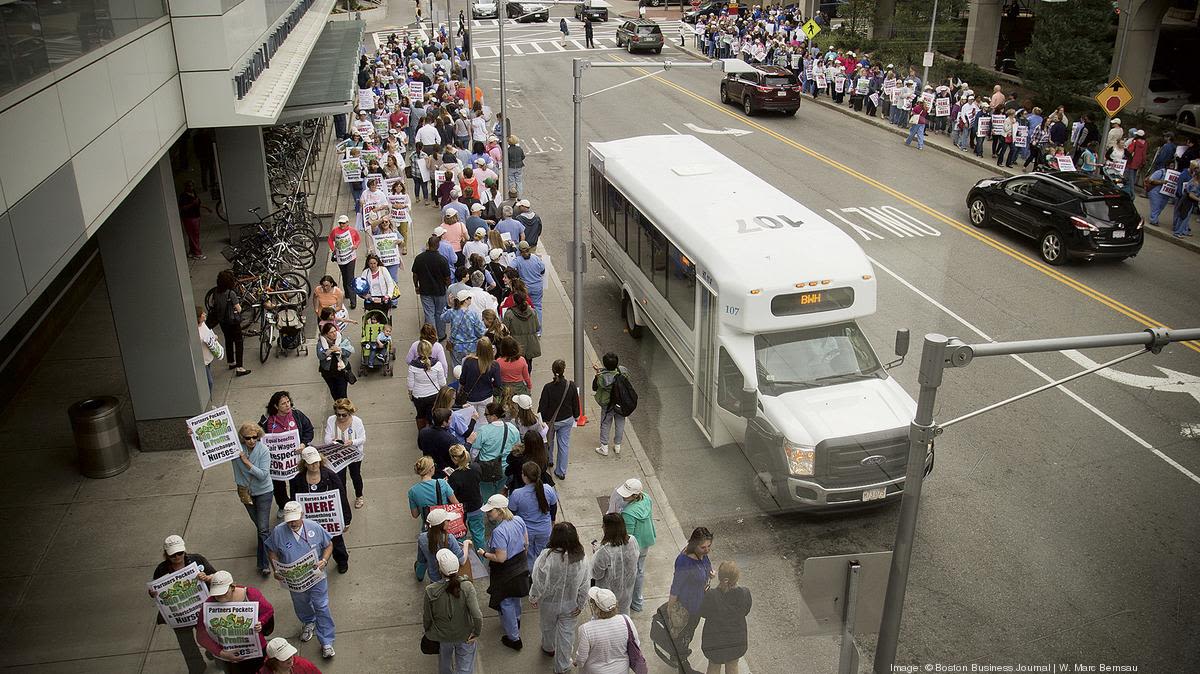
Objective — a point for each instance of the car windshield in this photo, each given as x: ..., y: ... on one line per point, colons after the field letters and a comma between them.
x: 821, y: 356
x: 1110, y: 209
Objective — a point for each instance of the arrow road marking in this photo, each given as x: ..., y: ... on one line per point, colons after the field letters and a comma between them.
x: 1173, y: 382
x: 723, y: 132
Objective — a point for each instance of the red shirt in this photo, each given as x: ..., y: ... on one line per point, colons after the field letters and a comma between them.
x: 333, y: 233
x: 299, y: 666
x: 1137, y: 153
x: 514, y: 371
x: 265, y: 613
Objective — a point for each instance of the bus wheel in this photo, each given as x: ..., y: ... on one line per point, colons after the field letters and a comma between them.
x: 631, y: 325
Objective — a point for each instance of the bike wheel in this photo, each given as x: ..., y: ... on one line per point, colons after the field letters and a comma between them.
x: 265, y: 341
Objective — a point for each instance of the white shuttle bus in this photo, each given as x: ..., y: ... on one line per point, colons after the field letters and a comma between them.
x: 756, y: 298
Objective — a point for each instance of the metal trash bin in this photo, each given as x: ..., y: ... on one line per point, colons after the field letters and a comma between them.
x: 96, y: 425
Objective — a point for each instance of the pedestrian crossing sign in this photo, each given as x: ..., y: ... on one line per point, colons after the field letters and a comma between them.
x: 1114, y: 97
x: 811, y: 29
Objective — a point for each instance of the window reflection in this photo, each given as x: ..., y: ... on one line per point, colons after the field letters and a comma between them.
x: 38, y: 36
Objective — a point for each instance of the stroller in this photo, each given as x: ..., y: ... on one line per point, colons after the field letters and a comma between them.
x: 376, y: 322
x: 282, y: 323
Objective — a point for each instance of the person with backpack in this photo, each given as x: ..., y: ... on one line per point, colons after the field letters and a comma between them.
x: 616, y: 398
x: 494, y: 441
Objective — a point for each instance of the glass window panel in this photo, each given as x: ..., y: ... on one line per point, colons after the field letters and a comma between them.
x: 681, y: 285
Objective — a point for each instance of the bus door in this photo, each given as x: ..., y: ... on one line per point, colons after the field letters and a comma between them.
x: 704, y: 396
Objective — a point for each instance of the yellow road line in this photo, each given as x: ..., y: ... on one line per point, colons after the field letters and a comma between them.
x: 1037, y: 265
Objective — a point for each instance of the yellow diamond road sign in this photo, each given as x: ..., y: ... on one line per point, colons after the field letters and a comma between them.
x: 811, y: 29
x: 1114, y: 97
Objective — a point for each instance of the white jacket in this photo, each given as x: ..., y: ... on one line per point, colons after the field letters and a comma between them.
x: 355, y: 435
x: 423, y: 383
x: 381, y: 285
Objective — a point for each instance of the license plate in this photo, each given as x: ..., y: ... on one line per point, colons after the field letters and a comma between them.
x: 1118, y: 234
x: 781, y: 94
x: 874, y: 494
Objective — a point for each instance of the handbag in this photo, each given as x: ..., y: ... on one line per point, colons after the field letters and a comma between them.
x: 429, y: 646
x: 637, y: 661
x: 550, y: 430
x: 456, y: 527
x: 460, y: 396
x: 914, y: 119
x: 491, y: 470
x: 244, y: 495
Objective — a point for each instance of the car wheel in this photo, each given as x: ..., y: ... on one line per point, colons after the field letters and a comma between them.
x: 1052, y: 248
x: 629, y: 47
x: 793, y: 111
x: 724, y: 94
x: 1187, y: 118
x: 746, y: 105
x: 658, y: 51
x: 764, y: 494
x: 631, y: 325
x: 979, y: 212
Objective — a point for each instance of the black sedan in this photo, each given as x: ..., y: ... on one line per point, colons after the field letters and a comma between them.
x: 597, y: 10
x: 1070, y: 214
x: 527, y: 12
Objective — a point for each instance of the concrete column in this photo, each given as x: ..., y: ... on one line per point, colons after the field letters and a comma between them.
x: 142, y: 248
x: 1137, y: 42
x: 242, y: 159
x: 983, y: 33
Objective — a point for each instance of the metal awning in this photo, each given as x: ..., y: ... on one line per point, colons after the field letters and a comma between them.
x: 327, y: 83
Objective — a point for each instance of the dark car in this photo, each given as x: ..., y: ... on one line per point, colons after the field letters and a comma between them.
x: 596, y: 11
x: 710, y: 8
x: 1071, y: 214
x: 640, y: 34
x: 527, y: 11
x: 764, y: 88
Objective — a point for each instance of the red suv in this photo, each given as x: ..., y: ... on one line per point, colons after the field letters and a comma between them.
x: 764, y: 88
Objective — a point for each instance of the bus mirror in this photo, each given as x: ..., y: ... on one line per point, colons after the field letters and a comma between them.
x: 748, y: 404
x: 901, y: 348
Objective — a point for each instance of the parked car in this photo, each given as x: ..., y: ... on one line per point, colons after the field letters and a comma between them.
x: 484, y: 9
x: 707, y: 8
x: 1188, y: 114
x: 1164, y: 97
x: 763, y: 88
x: 525, y: 12
x: 596, y: 10
x: 1070, y: 214
x: 640, y: 34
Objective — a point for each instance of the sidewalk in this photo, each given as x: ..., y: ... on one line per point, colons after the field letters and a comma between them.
x: 941, y: 143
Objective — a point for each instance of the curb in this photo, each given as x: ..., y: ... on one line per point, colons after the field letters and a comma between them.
x: 1160, y: 232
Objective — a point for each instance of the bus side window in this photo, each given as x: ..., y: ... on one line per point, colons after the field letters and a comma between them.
x: 729, y: 383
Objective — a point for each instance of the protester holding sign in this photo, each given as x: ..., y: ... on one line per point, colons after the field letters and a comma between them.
x: 345, y: 428
x: 343, y: 245
x: 316, y: 478
x: 386, y: 244
x: 437, y: 537
x: 218, y: 635
x: 1160, y: 187
x: 176, y: 559
x: 252, y: 475
x: 282, y: 658
x: 281, y: 417
x: 289, y: 542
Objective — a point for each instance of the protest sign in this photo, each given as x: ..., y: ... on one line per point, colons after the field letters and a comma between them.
x: 338, y: 456
x: 808, y: 70
x: 366, y: 99
x: 1020, y: 136
x: 285, y: 454
x: 324, y: 508
x: 927, y: 99
x: 985, y: 127
x: 819, y: 76
x: 368, y: 155
x: 889, y: 86
x: 998, y: 125
x: 839, y: 83
x: 1117, y: 165
x: 214, y: 437
x: 439, y: 177
x: 179, y: 596
x: 941, y: 107
x: 364, y: 128
x: 343, y: 248
x: 416, y: 90
x: 387, y: 246
x: 1171, y: 187
x: 1064, y: 162
x: 393, y: 96
x: 231, y: 624
x: 862, y: 86
x: 301, y: 574
x: 381, y: 126
x: 351, y: 170
x: 874, y: 98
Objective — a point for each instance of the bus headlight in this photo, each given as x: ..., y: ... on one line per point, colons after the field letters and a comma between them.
x: 801, y: 458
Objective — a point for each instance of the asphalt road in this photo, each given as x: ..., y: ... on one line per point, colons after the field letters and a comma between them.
x: 1058, y: 529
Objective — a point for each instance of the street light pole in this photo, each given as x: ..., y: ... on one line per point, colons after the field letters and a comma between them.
x: 450, y: 33
x: 929, y: 49
x: 504, y: 123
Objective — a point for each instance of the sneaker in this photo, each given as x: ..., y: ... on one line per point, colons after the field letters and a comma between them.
x: 343, y: 567
x: 265, y: 572
x: 327, y: 651
x: 309, y: 630
x: 602, y: 450
x: 514, y: 644
x: 617, y: 449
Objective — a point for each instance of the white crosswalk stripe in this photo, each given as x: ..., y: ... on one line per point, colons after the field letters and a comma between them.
x: 527, y: 39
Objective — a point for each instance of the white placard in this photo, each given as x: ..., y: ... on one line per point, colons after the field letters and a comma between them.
x: 1117, y: 165
x: 301, y: 574
x: 285, y: 454
x: 941, y: 107
x: 232, y: 625
x: 985, y: 127
x: 214, y: 437
x: 180, y: 595
x: 1064, y: 162
x: 1020, y: 136
x: 998, y: 124
x: 387, y: 246
x: 324, y: 508
x: 338, y: 456
x: 344, y: 250
x: 1171, y: 187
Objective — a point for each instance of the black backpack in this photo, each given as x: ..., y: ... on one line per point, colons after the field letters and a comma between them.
x: 622, y: 399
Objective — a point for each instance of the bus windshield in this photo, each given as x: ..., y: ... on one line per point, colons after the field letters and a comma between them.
x: 820, y: 356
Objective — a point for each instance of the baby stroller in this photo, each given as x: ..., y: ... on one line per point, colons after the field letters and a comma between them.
x: 376, y: 322
x: 282, y: 321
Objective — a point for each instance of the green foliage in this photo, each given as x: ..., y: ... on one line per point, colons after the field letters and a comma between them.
x: 1070, y: 52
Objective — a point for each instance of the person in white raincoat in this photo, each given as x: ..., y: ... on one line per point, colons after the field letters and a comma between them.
x: 614, y: 561
x: 560, y: 585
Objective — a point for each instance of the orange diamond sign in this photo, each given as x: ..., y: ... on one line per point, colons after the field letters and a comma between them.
x: 1114, y: 97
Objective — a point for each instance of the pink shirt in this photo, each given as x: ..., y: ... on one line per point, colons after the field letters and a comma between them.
x: 454, y: 235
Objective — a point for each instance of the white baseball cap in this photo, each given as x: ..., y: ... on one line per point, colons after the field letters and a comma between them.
x: 439, y: 230
x: 310, y: 455
x: 440, y: 516
x: 604, y: 598
x: 292, y: 511
x: 174, y: 544
x: 481, y: 161
x: 449, y: 211
x: 446, y: 561
x: 463, y: 295
x: 523, y: 202
x: 495, y: 253
x: 630, y: 487
x: 523, y: 401
x: 475, y: 208
x: 219, y: 583
x: 495, y: 501
x: 279, y: 649
x: 457, y: 371
x: 343, y: 219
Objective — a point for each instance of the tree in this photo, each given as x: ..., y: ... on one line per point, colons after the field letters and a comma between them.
x: 1070, y: 51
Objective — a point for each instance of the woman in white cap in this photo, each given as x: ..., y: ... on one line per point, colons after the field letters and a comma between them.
x: 451, y: 616
x: 343, y: 246
x: 176, y: 558
x: 526, y: 419
x: 315, y: 478
x: 602, y: 646
x: 508, y: 568
x: 222, y: 590
x: 478, y: 245
x: 463, y: 327
x: 614, y: 561
x: 436, y: 538
x: 559, y: 592
x: 282, y: 658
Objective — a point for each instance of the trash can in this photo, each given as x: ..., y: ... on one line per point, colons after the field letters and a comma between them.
x: 96, y: 424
